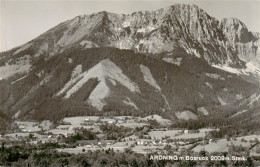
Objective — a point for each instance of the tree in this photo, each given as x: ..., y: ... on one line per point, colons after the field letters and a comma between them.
x: 85, y: 163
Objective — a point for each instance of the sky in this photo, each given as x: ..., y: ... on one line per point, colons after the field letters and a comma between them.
x: 24, y: 20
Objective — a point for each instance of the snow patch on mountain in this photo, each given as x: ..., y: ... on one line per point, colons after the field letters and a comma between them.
x: 129, y: 102
x: 148, y: 77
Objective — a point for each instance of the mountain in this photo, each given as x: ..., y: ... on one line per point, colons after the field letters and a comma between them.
x: 226, y: 42
x: 177, y: 61
x: 98, y: 81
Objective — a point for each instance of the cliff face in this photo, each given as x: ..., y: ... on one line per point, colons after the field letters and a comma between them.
x: 244, y: 43
x: 236, y: 31
x: 226, y: 42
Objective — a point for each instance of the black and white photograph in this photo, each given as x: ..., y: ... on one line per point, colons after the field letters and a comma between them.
x: 127, y: 83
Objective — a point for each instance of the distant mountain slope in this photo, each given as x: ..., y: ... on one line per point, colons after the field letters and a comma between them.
x: 113, y: 81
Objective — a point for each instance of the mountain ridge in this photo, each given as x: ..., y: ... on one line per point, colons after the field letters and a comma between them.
x: 181, y: 60
x: 177, y: 26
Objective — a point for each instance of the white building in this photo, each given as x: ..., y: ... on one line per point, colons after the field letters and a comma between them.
x: 111, y: 121
x: 186, y: 131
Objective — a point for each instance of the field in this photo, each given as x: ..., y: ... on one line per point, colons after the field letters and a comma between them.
x: 222, y: 145
x: 153, y: 141
x: 27, y: 126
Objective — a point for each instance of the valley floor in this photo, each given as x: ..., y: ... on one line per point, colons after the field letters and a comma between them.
x: 148, y: 135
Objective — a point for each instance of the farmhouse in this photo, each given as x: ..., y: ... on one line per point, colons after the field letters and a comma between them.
x: 111, y: 121
x: 186, y: 131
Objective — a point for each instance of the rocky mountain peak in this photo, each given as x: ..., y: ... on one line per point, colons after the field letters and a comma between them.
x: 179, y: 26
x: 235, y: 30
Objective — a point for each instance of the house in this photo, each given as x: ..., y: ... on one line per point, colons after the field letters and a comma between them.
x: 111, y: 121
x: 120, y: 121
x: 89, y: 146
x: 109, y: 143
x: 181, y: 143
x: 210, y: 140
x: 66, y: 134
x: 21, y: 126
x: 142, y: 142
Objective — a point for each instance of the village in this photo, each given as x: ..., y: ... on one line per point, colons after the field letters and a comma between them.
x: 121, y: 133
